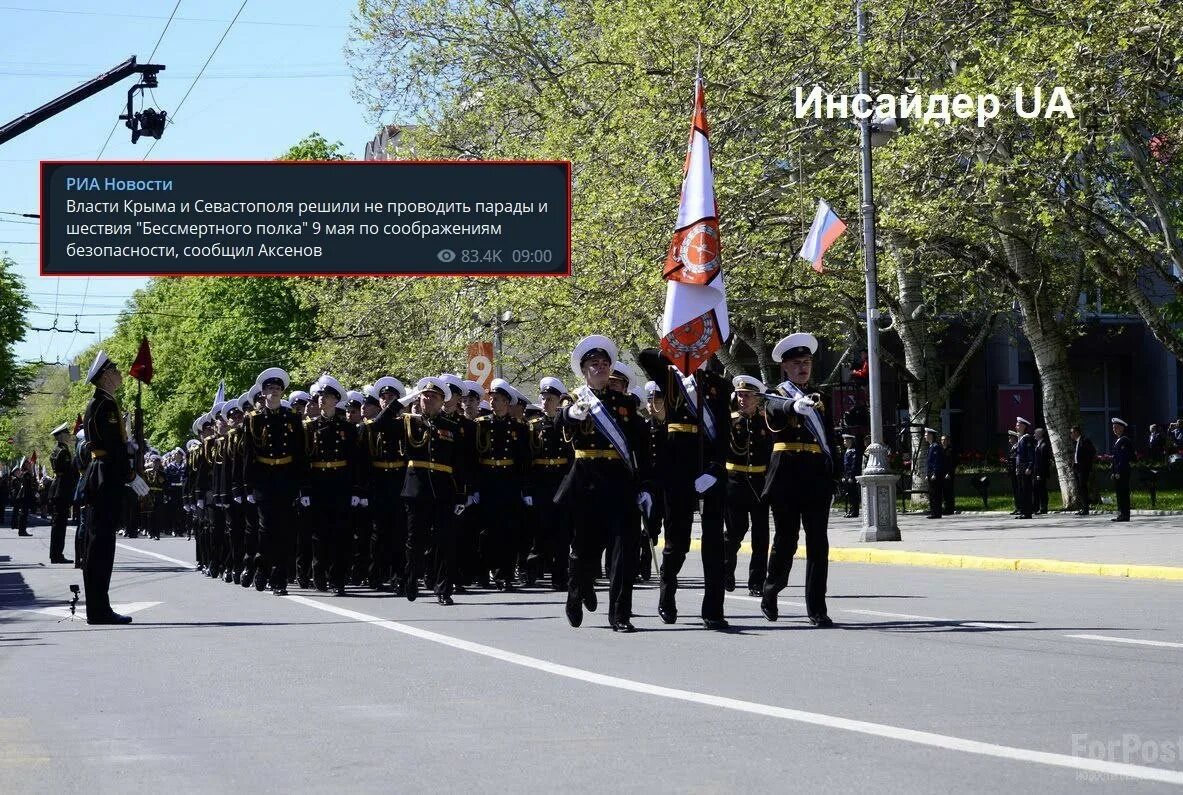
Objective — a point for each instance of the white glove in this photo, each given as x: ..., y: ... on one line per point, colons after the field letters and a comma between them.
x: 364, y: 502
x: 473, y: 499
x: 200, y: 505
x: 645, y: 502
x: 704, y: 482
x: 577, y: 412
x: 354, y: 501
x: 528, y: 501
x: 305, y: 502
x: 459, y: 508
x: 139, y: 486
x: 250, y: 498
x: 802, y: 405
x: 238, y: 500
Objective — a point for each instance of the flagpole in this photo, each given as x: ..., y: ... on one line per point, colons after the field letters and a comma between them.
x: 877, y: 481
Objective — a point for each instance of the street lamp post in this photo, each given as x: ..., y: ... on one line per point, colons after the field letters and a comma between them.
x: 877, y: 481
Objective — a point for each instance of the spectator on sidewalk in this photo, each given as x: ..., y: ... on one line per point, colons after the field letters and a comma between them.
x: 1083, y: 455
x: 1123, y: 457
x: 1156, y: 445
x: 948, y: 475
x: 1024, y: 466
x: 24, y: 496
x: 933, y: 469
x: 1043, y: 470
x: 1176, y: 434
x: 1013, y: 437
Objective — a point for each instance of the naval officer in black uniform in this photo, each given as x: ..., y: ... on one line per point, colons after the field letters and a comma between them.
x: 110, y: 480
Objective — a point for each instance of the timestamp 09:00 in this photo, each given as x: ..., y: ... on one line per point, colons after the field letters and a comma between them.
x: 518, y: 256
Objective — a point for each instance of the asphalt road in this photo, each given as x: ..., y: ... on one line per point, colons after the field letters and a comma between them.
x: 935, y: 680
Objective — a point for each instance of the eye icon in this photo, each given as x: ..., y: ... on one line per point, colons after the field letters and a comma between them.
x: 446, y: 255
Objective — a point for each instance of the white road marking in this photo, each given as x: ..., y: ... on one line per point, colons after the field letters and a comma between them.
x: 165, y: 558
x: 784, y: 713
x: 1136, y: 641
x: 930, y: 739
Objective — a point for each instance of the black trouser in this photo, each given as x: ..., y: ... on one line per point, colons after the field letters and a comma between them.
x: 1039, y: 487
x: 652, y: 524
x: 250, y: 540
x: 20, y: 516
x: 947, y: 494
x: 934, y: 496
x: 434, y: 519
x: 274, y: 529
x: 853, y: 495
x: 215, y: 536
x: 57, y: 532
x: 81, y: 538
x: 362, y: 528
x: 1121, y: 485
x: 1082, y: 490
x: 680, y: 502
x: 789, y: 519
x: 332, y: 533
x: 1014, y: 491
x: 388, y: 536
x: 745, y: 506
x: 599, y: 520
x: 102, y: 519
x: 300, y: 550
x: 1026, y: 494
x: 501, y: 498
x: 233, y: 551
x: 552, y: 536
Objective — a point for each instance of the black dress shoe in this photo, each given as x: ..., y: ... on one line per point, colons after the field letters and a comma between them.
x: 281, y: 591
x: 623, y: 625
x: 716, y: 623
x: 25, y: 534
x: 113, y: 618
x: 444, y: 599
x: 340, y: 590
x: 668, y: 615
x: 590, y: 603
x: 412, y: 590
x: 260, y: 583
x: 574, y: 612
x: 821, y: 622
x: 1120, y: 519
x: 61, y: 560
x: 509, y: 588
x: 459, y: 589
x: 769, y: 608
x: 755, y: 591
x: 729, y: 583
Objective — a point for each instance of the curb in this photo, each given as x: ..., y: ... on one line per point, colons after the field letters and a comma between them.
x: 895, y: 557
x: 1135, y: 512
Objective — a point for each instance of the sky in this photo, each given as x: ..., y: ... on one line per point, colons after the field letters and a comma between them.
x: 279, y: 75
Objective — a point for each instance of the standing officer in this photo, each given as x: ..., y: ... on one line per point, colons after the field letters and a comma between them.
x: 550, y: 458
x: 851, y: 468
x: 382, y: 436
x: 61, y: 493
x: 1043, y: 470
x: 108, y: 476
x: 434, y: 489
x: 933, y: 471
x: 949, y: 476
x: 800, y: 482
x: 1012, y: 437
x: 503, y: 462
x: 1083, y: 455
x: 1123, y: 458
x: 604, y: 487
x: 1024, y: 466
x: 748, y: 452
x: 273, y: 459
x: 331, y: 486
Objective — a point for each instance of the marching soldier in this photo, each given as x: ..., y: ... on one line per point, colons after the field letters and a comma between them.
x: 434, y: 488
x: 108, y: 476
x: 273, y: 457
x: 382, y: 436
x: 799, y: 484
x: 604, y: 487
x: 232, y: 475
x: 851, y: 467
x: 550, y: 458
x: 61, y: 493
x: 655, y: 422
x: 467, y: 527
x: 748, y: 451
x: 693, y: 467
x: 359, y: 515
x: 503, y: 461
x: 154, y: 502
x: 331, y: 486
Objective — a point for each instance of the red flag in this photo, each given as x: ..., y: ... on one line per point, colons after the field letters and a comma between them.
x: 695, y: 323
x: 78, y: 424
x: 141, y: 368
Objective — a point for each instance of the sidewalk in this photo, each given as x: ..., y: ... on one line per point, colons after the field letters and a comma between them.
x: 1147, y: 547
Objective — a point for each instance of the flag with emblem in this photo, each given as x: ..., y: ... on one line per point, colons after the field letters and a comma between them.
x: 220, y: 397
x: 695, y: 324
x: 141, y: 368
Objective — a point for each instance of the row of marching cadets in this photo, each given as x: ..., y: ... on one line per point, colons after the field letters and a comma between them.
x: 436, y: 489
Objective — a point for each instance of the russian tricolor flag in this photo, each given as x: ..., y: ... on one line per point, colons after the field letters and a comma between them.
x: 825, y: 230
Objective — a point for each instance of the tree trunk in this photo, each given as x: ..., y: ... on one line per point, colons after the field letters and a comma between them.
x: 920, y: 357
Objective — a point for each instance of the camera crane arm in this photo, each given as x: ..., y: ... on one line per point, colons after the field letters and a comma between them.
x: 88, y: 89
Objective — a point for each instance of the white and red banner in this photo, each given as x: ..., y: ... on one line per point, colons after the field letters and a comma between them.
x: 695, y: 325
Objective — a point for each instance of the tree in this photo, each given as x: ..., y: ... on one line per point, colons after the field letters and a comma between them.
x: 15, y: 377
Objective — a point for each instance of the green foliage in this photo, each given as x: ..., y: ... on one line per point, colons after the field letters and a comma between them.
x: 315, y: 147
x: 15, y: 377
